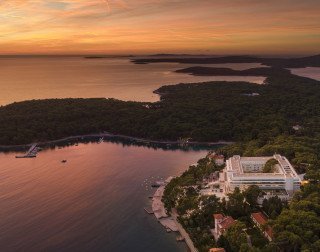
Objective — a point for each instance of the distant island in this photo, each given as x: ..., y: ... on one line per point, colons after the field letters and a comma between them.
x: 310, y: 61
x: 107, y: 56
x: 214, y: 71
x: 177, y: 55
x: 96, y: 57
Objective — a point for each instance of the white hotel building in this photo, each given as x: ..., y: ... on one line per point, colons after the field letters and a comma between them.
x: 245, y: 171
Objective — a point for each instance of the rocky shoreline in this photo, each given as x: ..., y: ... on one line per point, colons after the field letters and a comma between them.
x: 109, y: 135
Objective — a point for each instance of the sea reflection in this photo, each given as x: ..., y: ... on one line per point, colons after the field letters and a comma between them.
x: 93, y: 202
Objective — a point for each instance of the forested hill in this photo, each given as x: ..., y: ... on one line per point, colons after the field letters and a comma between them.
x: 204, y: 112
x: 310, y: 61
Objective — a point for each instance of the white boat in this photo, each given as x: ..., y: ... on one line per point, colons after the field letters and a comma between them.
x: 158, y: 183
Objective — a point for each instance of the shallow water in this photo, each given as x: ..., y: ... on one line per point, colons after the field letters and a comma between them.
x: 26, y: 78
x: 94, y: 202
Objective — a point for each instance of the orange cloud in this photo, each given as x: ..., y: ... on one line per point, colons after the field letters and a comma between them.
x: 150, y: 26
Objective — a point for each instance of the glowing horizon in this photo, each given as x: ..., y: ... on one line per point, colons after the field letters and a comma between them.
x: 159, y: 26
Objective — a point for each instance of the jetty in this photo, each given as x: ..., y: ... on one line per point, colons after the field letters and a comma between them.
x: 170, y: 223
x: 31, y: 153
x: 159, y: 210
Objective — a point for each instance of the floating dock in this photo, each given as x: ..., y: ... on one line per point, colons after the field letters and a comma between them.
x: 31, y: 153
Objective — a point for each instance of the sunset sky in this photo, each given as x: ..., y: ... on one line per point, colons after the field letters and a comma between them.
x: 159, y: 26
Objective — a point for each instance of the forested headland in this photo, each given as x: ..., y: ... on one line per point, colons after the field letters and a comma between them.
x: 209, y: 112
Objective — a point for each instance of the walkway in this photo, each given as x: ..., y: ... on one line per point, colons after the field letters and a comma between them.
x: 183, y: 233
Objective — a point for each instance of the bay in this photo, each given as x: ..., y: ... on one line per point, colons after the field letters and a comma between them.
x: 93, y: 202
x: 27, y: 78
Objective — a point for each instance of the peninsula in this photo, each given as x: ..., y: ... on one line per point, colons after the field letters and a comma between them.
x: 200, y: 112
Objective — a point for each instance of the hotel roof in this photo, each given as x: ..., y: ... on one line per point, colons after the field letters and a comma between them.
x: 236, y: 162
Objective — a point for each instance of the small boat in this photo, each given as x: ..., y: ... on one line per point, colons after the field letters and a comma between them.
x: 64, y: 161
x: 157, y: 184
x: 179, y: 238
x: 27, y: 156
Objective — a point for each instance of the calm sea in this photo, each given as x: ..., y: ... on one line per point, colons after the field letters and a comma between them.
x: 26, y: 78
x: 94, y: 202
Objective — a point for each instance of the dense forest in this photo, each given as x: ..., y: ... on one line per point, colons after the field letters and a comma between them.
x: 203, y: 112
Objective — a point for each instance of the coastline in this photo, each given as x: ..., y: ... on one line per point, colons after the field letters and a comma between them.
x: 169, y: 222
x: 110, y: 135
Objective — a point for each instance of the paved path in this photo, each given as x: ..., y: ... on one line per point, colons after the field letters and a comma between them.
x: 183, y: 233
x: 249, y: 241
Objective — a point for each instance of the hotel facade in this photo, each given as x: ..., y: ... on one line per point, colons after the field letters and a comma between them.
x: 245, y: 171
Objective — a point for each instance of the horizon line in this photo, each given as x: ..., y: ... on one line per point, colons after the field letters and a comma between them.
x: 151, y: 54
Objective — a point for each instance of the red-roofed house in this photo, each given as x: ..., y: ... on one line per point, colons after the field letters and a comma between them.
x: 218, y: 159
x: 222, y: 223
x: 217, y: 250
x: 260, y: 221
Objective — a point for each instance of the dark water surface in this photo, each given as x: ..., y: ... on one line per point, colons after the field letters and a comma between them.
x: 94, y: 202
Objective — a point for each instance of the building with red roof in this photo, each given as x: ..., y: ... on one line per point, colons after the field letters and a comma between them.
x: 260, y: 220
x: 222, y: 223
x: 217, y: 250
